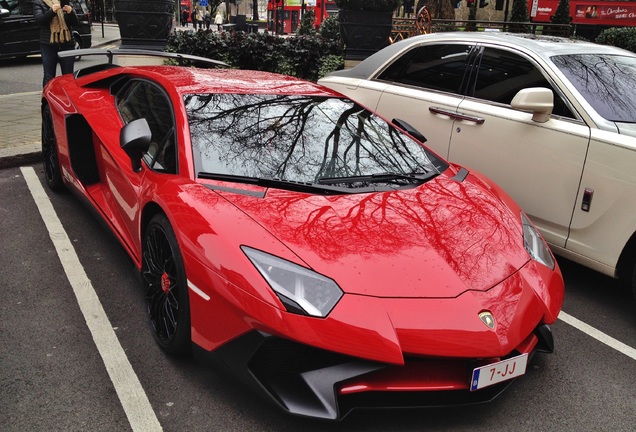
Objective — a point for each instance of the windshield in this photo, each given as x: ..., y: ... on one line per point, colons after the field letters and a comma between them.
x: 304, y: 139
x: 607, y: 82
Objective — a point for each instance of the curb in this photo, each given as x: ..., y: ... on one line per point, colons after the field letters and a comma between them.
x: 20, y: 160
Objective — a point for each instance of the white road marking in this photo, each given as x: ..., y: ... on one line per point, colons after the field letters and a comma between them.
x: 129, y: 390
x: 598, y: 335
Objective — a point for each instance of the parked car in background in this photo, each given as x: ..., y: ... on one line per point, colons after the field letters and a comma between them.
x: 551, y: 120
x: 309, y: 245
x: 20, y: 34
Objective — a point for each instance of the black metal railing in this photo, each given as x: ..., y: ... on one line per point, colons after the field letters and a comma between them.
x: 404, y: 28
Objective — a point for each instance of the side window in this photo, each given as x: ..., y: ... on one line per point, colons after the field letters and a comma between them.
x: 16, y: 7
x: 435, y: 67
x: 502, y: 74
x: 143, y: 99
x: 80, y: 6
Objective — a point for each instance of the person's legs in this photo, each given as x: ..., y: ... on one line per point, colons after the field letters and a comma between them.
x: 67, y: 63
x: 49, y: 61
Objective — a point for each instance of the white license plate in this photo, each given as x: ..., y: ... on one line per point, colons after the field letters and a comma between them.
x: 494, y: 373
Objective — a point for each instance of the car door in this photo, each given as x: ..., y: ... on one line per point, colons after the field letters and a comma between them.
x: 426, y: 88
x: 139, y: 99
x: 538, y: 164
x: 19, y: 33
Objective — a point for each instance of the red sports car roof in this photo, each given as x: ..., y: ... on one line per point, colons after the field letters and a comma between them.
x: 195, y: 80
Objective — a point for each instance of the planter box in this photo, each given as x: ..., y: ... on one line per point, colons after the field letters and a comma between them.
x: 364, y: 33
x: 144, y: 24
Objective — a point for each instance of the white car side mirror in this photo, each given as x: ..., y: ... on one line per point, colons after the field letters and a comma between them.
x: 539, y: 100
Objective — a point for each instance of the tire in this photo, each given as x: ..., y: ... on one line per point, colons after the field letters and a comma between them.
x: 166, y: 289
x: 50, y: 156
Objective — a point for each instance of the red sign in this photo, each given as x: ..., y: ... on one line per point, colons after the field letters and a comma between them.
x: 587, y: 12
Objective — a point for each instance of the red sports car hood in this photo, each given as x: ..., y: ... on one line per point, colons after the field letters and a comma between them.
x: 436, y: 240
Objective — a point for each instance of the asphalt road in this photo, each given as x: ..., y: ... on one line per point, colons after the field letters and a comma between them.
x: 53, y: 377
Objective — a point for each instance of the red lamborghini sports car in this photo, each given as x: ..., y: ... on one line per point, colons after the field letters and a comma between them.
x: 319, y: 251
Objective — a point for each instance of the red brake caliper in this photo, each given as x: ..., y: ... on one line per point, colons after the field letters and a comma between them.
x: 165, y: 283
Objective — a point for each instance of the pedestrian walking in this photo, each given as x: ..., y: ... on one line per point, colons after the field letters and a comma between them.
x: 55, y: 21
x: 199, y: 19
x: 193, y: 15
x: 208, y: 20
x: 218, y: 20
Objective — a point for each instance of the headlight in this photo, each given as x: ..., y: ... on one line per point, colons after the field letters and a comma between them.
x: 301, y: 290
x: 536, y: 247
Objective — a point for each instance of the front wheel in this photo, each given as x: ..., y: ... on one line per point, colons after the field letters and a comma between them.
x: 166, y: 287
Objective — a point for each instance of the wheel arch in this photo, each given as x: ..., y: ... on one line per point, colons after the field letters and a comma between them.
x: 150, y: 210
x: 627, y: 260
x: 77, y: 37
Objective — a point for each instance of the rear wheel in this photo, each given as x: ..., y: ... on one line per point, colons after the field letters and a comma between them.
x: 49, y: 152
x: 166, y: 287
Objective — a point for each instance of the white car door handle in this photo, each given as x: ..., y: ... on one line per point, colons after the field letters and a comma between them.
x: 457, y: 116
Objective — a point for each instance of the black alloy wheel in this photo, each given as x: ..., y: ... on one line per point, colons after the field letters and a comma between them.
x: 166, y: 287
x: 49, y: 152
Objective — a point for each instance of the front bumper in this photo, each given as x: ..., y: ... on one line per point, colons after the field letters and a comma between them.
x: 312, y: 382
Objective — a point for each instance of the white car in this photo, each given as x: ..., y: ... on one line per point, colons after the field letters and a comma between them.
x: 552, y: 120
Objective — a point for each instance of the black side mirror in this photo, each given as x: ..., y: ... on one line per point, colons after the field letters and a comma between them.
x: 134, y: 139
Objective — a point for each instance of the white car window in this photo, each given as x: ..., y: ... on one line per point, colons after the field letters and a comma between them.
x: 501, y: 74
x: 435, y: 67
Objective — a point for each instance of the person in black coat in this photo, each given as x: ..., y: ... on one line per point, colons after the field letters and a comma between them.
x: 184, y: 17
x: 56, y: 35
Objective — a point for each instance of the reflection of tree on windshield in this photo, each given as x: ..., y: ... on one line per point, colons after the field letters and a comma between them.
x: 328, y: 167
x: 296, y: 138
x: 606, y: 81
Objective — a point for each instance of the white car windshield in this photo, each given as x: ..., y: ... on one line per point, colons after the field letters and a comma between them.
x: 607, y: 82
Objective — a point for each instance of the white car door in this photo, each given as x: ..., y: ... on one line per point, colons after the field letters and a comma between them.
x: 539, y: 164
x: 365, y: 92
x: 427, y: 77
x: 601, y: 228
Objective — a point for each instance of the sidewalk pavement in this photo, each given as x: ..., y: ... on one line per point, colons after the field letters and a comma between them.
x: 20, y: 132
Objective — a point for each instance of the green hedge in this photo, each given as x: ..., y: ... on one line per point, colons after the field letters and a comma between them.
x: 304, y: 56
x: 622, y: 37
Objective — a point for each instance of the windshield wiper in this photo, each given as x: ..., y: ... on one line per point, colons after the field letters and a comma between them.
x: 274, y: 183
x: 379, y: 178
